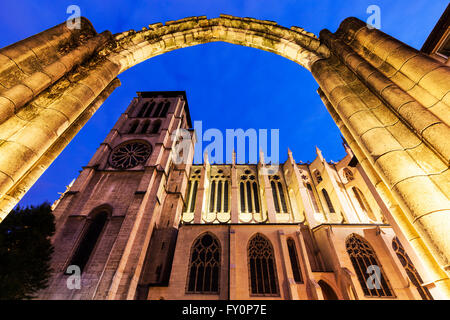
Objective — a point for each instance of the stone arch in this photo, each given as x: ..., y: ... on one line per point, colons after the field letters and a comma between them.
x: 91, y: 233
x: 389, y: 101
x: 203, y: 263
x: 327, y: 291
x: 295, y: 43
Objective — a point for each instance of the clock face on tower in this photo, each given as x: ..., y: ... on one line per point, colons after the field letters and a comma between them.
x: 130, y: 154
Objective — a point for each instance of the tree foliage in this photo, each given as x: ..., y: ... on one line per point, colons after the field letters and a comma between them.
x: 25, y: 251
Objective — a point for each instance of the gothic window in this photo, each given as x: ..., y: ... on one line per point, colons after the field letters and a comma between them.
x: 219, y: 196
x: 191, y: 196
x: 219, y: 193
x: 155, y: 126
x: 312, y: 197
x: 165, y: 110
x: 279, y: 198
x: 294, y: 260
x: 363, y: 204
x: 143, y: 109
x: 255, y: 196
x: 411, y: 271
x: 148, y: 112
x: 275, y: 196
x: 225, y: 196
x: 187, y: 198
x: 212, y: 197
x: 328, y: 201
x: 249, y: 193
x: 191, y: 191
x: 318, y: 176
x: 91, y: 234
x: 262, y: 267
x: 158, y: 110
x: 133, y: 127
x: 348, y: 175
x: 362, y: 256
x: 145, y: 126
x: 194, y: 196
x: 444, y: 48
x: 130, y: 154
x: 282, y: 198
x: 242, y: 191
x: 204, y: 265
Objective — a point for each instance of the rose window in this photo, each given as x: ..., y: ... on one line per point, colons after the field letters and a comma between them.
x: 130, y: 154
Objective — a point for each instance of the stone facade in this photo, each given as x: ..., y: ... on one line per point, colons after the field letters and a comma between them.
x: 156, y: 211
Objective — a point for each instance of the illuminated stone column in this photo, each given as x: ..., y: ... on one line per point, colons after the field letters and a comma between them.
x: 401, y: 124
x: 24, y: 144
x: 396, y: 217
x: 423, y: 78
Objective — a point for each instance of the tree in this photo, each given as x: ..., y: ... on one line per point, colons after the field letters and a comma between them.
x: 25, y: 251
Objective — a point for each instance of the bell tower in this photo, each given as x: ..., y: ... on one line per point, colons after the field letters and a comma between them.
x: 125, y: 205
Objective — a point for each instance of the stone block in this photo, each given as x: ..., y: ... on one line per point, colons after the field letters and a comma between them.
x: 379, y: 141
x: 398, y: 166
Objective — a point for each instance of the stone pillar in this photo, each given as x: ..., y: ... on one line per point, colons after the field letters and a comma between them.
x: 428, y: 126
x: 417, y: 74
x: 25, y: 145
x: 296, y: 183
x: 10, y: 199
x: 342, y: 201
x: 271, y: 214
x: 398, y: 217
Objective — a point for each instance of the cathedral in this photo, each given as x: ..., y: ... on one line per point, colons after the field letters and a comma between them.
x: 137, y: 225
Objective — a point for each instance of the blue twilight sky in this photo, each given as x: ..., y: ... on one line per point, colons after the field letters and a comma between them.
x: 227, y: 86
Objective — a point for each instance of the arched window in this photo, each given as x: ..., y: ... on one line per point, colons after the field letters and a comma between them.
x: 204, y: 265
x: 219, y: 196
x: 148, y: 112
x: 165, y: 110
x: 318, y: 176
x: 294, y: 260
x: 155, y: 126
x: 133, y: 127
x: 363, y: 204
x: 262, y: 267
x: 275, y: 197
x: 158, y: 110
x: 145, y: 126
x: 242, y: 192
x: 278, y: 194
x: 348, y: 175
x: 249, y: 193
x: 328, y: 201
x: 312, y: 197
x: 368, y: 270
x: 212, y: 196
x: 327, y: 291
x: 225, y: 196
x: 93, y: 228
x: 411, y: 271
x: 282, y: 198
x: 143, y: 109
x: 191, y: 196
